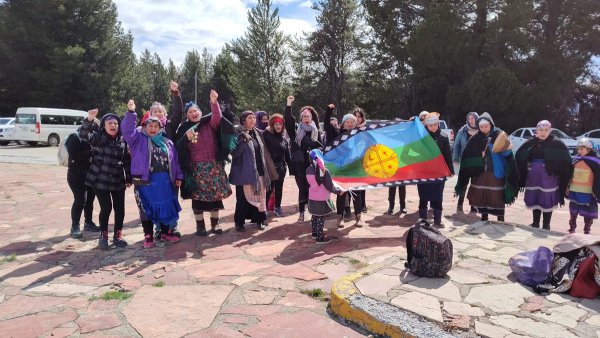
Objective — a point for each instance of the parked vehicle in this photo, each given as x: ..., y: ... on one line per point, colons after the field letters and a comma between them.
x: 7, y: 125
x: 519, y: 136
x: 448, y: 131
x: 593, y: 135
x: 47, y: 125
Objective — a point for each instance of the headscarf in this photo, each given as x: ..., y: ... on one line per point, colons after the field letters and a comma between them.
x: 260, y: 125
x: 158, y: 106
x: 544, y: 124
x: 476, y: 116
x: 585, y: 142
x: 243, y: 117
x: 158, y: 140
x: 316, y: 157
x: 276, y: 118
x: 432, y: 118
x: 190, y: 105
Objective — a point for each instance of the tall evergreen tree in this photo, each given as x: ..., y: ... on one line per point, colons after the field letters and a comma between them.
x: 61, y: 53
x: 259, y: 74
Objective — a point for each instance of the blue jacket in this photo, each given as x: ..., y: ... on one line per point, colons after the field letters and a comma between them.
x: 460, y: 142
x: 140, y: 148
x: 243, y: 163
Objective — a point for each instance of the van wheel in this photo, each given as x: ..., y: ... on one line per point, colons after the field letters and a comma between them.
x: 32, y: 143
x: 53, y: 140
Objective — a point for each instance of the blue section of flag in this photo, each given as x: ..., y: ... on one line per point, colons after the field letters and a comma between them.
x: 392, y: 136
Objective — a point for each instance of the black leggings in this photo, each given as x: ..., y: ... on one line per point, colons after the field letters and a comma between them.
x: 110, y: 200
x: 340, y: 202
x: 83, y: 196
x: 278, y: 187
x: 401, y: 195
x: 302, y: 184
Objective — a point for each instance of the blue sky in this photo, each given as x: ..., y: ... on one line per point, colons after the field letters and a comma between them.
x: 173, y: 28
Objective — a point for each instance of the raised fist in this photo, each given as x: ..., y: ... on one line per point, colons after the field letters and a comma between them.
x: 92, y: 114
x: 131, y: 105
x: 290, y: 99
x: 174, y: 86
x: 331, y: 105
x: 213, y: 96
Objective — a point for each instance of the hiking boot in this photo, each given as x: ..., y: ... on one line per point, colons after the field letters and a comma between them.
x: 149, y: 241
x: 340, y: 218
x: 215, y: 227
x: 301, y: 217
x: 90, y: 226
x: 201, y: 228
x: 278, y: 212
x: 357, y: 222
x: 103, y: 240
x: 118, y: 240
x: 169, y: 237
x: 75, y: 231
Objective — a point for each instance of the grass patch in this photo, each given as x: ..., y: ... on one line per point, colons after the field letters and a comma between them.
x: 110, y: 295
x: 159, y: 284
x: 358, y: 264
x: 10, y: 258
x: 316, y: 294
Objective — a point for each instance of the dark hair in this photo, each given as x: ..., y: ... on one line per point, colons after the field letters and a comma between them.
x: 360, y: 112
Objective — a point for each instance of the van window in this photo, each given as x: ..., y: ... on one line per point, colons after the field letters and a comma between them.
x: 26, y: 118
x: 73, y: 120
x: 52, y: 119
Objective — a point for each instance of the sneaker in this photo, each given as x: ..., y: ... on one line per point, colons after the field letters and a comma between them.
x: 103, y: 241
x: 278, y: 212
x: 75, y: 231
x: 169, y: 237
x: 149, y: 241
x: 90, y: 226
x: 261, y: 226
x: 404, y: 211
x: 118, y: 240
x: 323, y: 240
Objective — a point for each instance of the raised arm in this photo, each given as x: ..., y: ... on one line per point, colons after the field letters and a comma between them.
x: 89, y: 127
x: 128, y: 128
x: 330, y: 130
x: 215, y: 119
x: 290, y: 121
x: 176, y: 110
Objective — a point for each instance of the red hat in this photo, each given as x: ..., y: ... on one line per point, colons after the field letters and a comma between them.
x: 144, y: 118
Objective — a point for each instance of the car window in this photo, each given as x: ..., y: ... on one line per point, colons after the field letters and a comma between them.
x: 527, y: 133
x: 443, y: 125
x: 517, y: 133
x: 594, y: 134
x: 4, y: 121
x: 26, y: 118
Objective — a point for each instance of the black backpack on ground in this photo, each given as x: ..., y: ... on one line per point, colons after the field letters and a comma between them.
x: 429, y: 253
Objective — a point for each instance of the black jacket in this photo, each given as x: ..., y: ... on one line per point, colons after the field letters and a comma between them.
x: 444, y: 144
x: 80, y: 153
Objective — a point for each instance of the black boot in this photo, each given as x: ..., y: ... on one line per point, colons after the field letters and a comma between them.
x: 75, y: 231
x: 501, y: 218
x: 215, y: 227
x: 201, y: 228
x: 103, y: 241
x: 573, y: 223
x: 547, y: 218
x: 423, y: 213
x: 537, y: 214
x: 437, y: 218
x: 390, y: 210
x: 587, y: 225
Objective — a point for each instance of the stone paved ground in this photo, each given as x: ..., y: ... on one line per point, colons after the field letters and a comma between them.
x: 233, y: 285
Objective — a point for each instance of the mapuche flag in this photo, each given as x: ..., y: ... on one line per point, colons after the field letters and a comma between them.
x: 385, y: 154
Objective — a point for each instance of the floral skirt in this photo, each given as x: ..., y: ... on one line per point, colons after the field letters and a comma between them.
x: 208, y: 182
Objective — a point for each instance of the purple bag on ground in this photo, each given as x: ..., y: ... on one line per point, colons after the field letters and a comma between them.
x: 532, y: 267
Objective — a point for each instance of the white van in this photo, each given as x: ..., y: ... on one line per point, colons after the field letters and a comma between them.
x: 47, y: 125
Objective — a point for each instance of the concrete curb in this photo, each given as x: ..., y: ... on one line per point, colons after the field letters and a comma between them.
x: 380, y: 318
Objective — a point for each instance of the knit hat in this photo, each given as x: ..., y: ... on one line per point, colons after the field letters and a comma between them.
x: 150, y: 119
x: 423, y: 114
x: 347, y: 117
x: 144, y: 118
x: 432, y: 118
x: 108, y: 117
x: 585, y: 142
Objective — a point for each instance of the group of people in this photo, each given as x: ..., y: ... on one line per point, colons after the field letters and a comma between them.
x: 185, y: 152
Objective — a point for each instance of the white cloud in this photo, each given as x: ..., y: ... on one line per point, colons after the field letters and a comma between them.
x: 307, y: 4
x: 173, y: 28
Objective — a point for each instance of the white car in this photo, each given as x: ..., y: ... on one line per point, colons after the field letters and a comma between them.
x: 519, y: 136
x: 593, y: 135
x: 7, y: 124
x: 448, y: 131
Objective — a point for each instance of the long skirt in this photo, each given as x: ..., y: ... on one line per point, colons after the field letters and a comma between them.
x: 541, y: 189
x: 249, y: 204
x: 209, y: 186
x: 583, y: 204
x: 486, y: 194
x: 157, y: 201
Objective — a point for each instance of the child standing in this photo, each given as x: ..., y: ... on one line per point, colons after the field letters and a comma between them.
x: 319, y: 191
x: 584, y: 187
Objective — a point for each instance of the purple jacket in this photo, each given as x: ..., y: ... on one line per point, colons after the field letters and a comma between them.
x: 140, y: 146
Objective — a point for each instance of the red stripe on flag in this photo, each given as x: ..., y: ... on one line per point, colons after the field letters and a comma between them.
x: 435, y: 168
